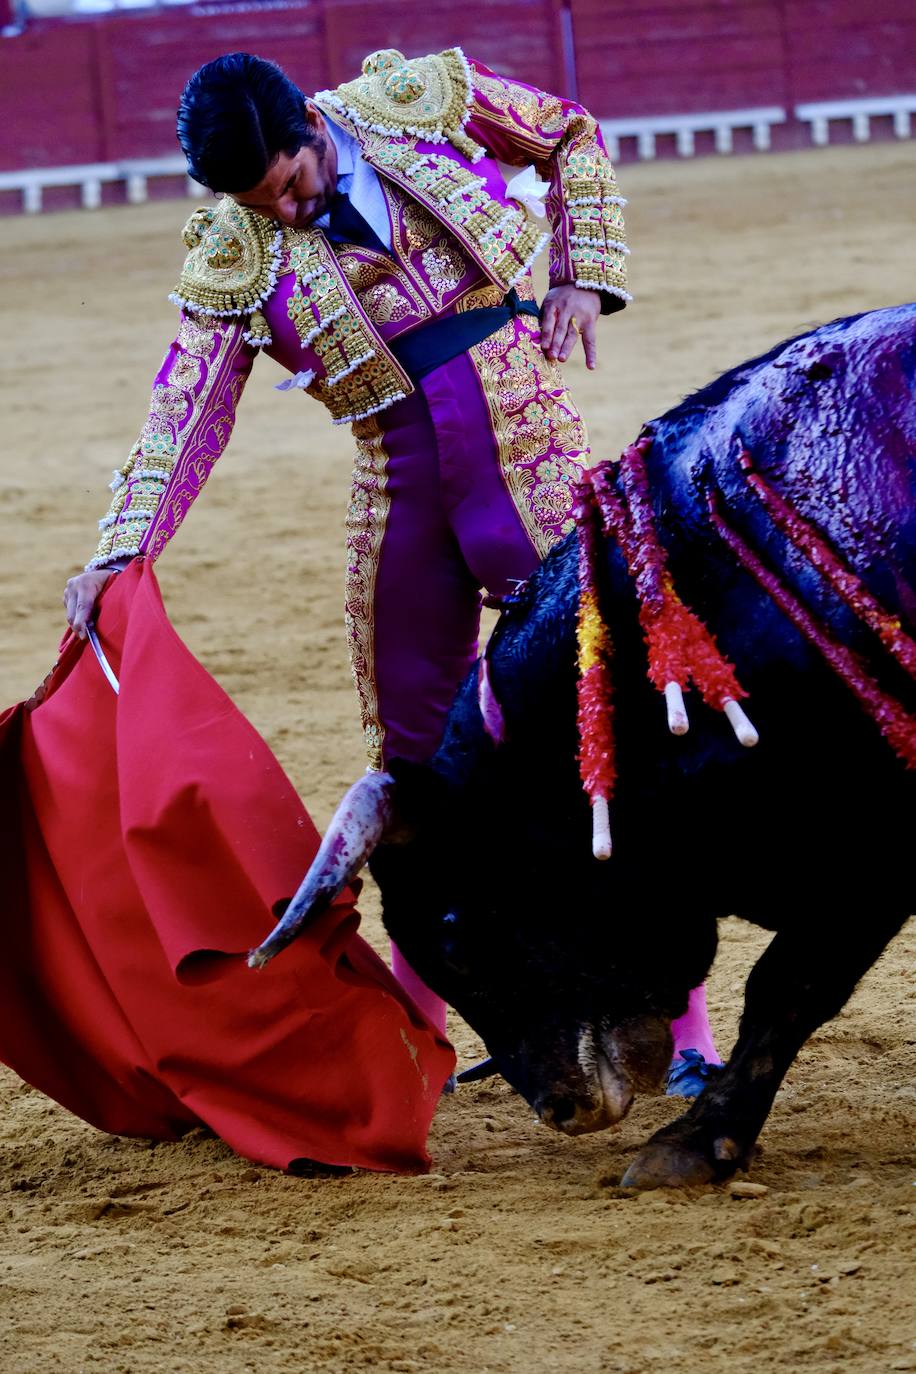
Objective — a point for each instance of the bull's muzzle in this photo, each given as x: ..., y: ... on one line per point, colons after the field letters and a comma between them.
x: 581, y: 1115
x: 599, y: 1094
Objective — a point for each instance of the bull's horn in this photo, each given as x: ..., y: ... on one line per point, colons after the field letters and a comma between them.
x: 359, y: 822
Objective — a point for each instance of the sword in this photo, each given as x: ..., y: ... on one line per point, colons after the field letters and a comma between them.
x: 103, y: 661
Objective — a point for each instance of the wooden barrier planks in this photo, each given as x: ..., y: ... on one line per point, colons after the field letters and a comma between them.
x: 670, y: 76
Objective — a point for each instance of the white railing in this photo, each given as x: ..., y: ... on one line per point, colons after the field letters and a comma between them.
x: 860, y: 113
x: 720, y: 123
x: 135, y: 173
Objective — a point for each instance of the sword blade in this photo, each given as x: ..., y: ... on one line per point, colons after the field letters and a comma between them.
x: 103, y: 661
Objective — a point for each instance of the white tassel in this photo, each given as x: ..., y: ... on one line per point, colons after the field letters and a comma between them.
x: 678, y: 723
x: 744, y: 730
x: 601, y: 829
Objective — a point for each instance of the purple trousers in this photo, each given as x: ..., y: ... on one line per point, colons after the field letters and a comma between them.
x: 464, y: 485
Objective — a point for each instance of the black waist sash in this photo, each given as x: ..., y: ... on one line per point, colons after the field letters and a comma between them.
x: 438, y: 342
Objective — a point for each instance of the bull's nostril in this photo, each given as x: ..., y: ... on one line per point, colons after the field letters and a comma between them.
x: 558, y: 1110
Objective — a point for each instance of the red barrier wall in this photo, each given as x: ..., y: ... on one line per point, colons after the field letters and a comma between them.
x: 50, y: 111
x: 523, y: 38
x: 680, y: 56
x: 145, y: 60
x: 98, y: 89
x: 844, y: 49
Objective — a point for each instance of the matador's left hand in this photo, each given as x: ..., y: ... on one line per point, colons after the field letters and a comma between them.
x: 565, y: 307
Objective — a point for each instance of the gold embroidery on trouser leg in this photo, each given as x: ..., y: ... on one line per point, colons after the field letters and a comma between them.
x: 540, y: 436
x: 367, y: 516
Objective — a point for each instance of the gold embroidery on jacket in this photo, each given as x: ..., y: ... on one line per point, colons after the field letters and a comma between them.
x: 419, y: 226
x: 445, y: 266
x: 140, y: 485
x: 437, y: 261
x: 377, y: 282
x: 232, y: 265
x: 482, y: 295
x: 195, y: 339
x: 361, y: 275
x: 384, y: 304
x: 540, y: 436
x: 361, y: 375
x: 501, y: 238
x: 589, y: 245
x: 427, y: 97
x: 186, y: 373
x: 168, y: 403
x: 597, y: 238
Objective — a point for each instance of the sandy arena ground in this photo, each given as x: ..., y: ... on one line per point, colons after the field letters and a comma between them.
x: 518, y: 1253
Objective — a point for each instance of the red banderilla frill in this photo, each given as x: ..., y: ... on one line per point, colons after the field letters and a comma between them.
x: 595, y: 709
x: 896, y: 725
x: 680, y: 647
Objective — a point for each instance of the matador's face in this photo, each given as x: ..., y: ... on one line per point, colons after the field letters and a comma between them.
x: 297, y: 189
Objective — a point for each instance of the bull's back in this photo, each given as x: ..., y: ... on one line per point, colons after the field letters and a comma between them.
x: 829, y: 423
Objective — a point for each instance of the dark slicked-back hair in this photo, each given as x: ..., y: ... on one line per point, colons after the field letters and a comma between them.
x: 235, y: 116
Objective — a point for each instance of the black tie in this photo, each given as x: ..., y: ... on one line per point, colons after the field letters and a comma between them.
x: 347, y: 225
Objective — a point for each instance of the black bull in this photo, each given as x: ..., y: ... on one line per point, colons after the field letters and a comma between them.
x: 571, y: 970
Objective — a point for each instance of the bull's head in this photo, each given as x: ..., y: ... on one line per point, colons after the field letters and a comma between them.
x: 531, y: 959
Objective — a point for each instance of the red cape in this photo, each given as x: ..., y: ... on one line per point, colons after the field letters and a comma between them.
x: 144, y: 838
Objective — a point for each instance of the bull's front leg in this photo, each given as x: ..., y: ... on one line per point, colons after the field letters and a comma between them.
x: 802, y: 979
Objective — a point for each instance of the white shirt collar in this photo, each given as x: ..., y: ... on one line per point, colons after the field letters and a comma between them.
x: 346, y: 149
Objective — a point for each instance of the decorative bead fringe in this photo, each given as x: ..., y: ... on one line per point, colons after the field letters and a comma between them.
x: 436, y: 134
x: 324, y: 323
x: 100, y: 560
x: 539, y: 247
x: 372, y: 410
x: 334, y: 378
x: 589, y: 285
x: 500, y: 224
x: 475, y: 184
x: 597, y: 240
x: 597, y: 200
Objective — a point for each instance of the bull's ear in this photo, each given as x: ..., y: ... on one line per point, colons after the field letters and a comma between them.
x: 422, y: 798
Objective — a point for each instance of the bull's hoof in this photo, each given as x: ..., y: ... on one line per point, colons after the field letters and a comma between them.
x: 662, y: 1164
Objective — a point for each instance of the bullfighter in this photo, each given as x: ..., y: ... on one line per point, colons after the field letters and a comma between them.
x: 377, y: 241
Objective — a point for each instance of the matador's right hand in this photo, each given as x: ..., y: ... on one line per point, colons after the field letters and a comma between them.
x: 80, y: 596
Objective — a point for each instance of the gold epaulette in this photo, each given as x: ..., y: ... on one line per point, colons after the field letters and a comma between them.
x: 232, y: 265
x: 428, y: 97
